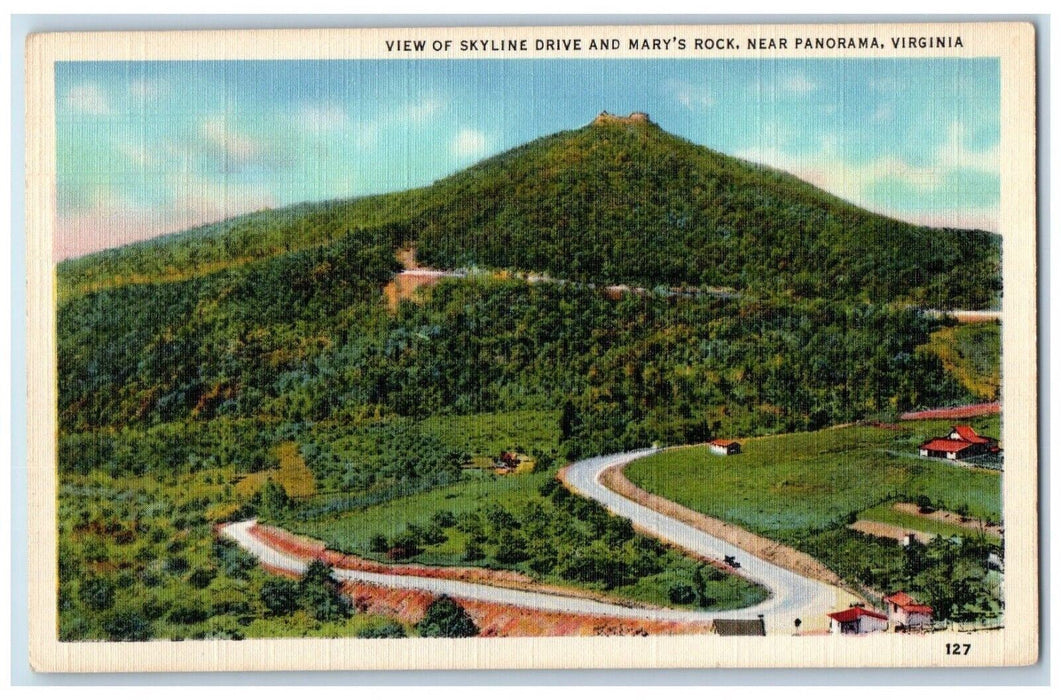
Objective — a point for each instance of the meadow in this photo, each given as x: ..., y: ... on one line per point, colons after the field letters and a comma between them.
x: 790, y: 483
x: 804, y: 489
x: 885, y: 513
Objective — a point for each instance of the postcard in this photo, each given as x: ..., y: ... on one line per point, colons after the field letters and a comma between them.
x: 533, y: 347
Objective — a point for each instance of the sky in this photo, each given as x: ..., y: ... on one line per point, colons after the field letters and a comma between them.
x: 147, y: 148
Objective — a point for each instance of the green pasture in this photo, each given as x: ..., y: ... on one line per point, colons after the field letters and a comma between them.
x: 779, y: 486
x: 885, y: 513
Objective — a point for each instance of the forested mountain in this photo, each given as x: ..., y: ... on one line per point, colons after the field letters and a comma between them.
x: 279, y: 316
x: 617, y: 201
x: 256, y: 367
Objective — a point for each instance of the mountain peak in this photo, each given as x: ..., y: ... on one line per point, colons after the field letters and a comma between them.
x: 634, y: 118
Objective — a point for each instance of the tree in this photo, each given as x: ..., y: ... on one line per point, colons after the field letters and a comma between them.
x: 404, y: 545
x: 274, y: 500
x: 280, y: 596
x: 446, y: 618
x: 127, y: 626
x: 473, y: 551
x: 682, y: 594
x: 512, y: 549
x: 318, y: 594
x: 377, y: 543
x: 97, y: 593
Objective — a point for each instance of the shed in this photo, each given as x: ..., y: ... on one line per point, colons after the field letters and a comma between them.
x: 739, y: 627
x: 724, y: 447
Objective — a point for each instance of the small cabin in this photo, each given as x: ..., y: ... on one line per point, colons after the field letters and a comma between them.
x: 905, y: 613
x: 857, y: 619
x: 724, y: 447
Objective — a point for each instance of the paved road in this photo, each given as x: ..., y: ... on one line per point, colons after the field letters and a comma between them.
x: 792, y: 595
x: 240, y: 532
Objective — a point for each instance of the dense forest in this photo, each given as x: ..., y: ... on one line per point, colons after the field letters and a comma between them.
x: 617, y: 203
x: 253, y: 367
x: 304, y: 337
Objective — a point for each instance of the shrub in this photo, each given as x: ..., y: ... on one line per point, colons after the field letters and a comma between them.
x: 682, y: 594
x: 127, y: 626
x: 386, y: 630
x: 235, y: 562
x: 444, y: 518
x: 512, y: 550
x: 377, y: 543
x: 97, y: 593
x: 188, y: 613
x: 433, y: 534
x: 404, y: 545
x: 280, y: 596
x: 177, y: 565
x: 446, y: 618
x: 473, y: 552
x: 202, y: 577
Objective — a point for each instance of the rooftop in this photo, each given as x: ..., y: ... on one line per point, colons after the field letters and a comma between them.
x: 740, y: 628
x: 855, y: 612
x: 946, y: 445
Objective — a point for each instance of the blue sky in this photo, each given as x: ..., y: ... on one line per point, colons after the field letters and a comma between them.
x: 148, y: 148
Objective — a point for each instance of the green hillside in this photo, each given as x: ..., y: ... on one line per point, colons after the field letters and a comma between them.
x: 202, y: 374
x: 617, y: 201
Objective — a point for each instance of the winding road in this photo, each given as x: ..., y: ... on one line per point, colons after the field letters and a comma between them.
x: 792, y: 595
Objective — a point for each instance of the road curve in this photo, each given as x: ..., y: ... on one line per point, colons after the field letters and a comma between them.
x: 241, y: 533
x: 792, y: 595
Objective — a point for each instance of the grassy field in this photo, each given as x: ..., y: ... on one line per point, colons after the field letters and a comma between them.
x: 492, y: 433
x: 790, y: 483
x: 803, y: 489
x: 971, y: 351
x: 884, y: 513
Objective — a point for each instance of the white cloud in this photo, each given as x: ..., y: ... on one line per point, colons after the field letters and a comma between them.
x: 855, y: 183
x: 419, y: 112
x: 108, y: 219
x: 323, y: 118
x: 691, y: 96
x: 799, y: 84
x: 87, y: 98
x: 829, y: 172
x: 138, y: 154
x: 885, y: 112
x: 953, y: 154
x: 366, y: 134
x: 143, y: 89
x: 331, y: 119
x: 469, y: 143
x: 217, y: 132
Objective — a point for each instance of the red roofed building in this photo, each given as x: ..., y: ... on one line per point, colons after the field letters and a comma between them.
x: 962, y: 442
x: 724, y: 447
x: 857, y: 620
x: 906, y: 613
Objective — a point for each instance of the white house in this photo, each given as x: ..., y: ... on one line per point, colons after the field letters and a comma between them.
x: 857, y: 620
x: 906, y: 613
